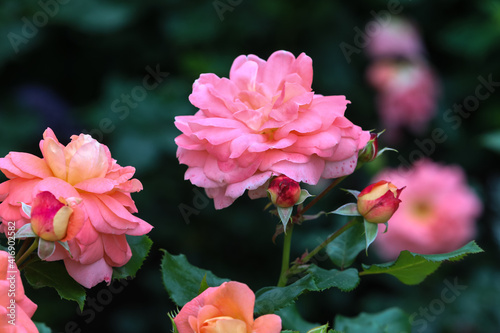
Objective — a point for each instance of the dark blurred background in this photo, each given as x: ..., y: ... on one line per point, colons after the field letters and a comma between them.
x: 71, y: 64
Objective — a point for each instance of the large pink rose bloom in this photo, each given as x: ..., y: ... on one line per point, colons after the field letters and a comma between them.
x: 16, y: 309
x: 82, y: 169
x: 407, y: 94
x: 225, y: 309
x: 263, y: 121
x: 437, y: 213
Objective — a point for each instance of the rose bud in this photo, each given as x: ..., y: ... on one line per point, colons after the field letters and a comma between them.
x: 49, y: 217
x: 369, y: 153
x: 284, y: 192
x: 379, y: 201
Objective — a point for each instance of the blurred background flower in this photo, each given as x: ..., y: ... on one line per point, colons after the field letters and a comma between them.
x: 437, y: 214
x: 407, y: 87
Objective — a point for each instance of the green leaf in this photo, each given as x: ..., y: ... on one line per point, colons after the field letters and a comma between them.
x: 53, y: 274
x: 288, y: 331
x: 345, y: 280
x: 371, y: 230
x: 392, y: 320
x: 42, y: 328
x: 292, y: 319
x: 412, y: 268
x: 344, y: 249
x: 271, y: 299
x: 349, y: 209
x: 182, y: 280
x: 140, y: 246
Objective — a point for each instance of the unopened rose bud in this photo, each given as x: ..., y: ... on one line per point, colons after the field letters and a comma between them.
x: 49, y: 217
x: 379, y: 201
x: 370, y: 151
x: 284, y: 192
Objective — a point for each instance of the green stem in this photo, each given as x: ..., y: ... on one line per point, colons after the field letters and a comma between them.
x: 321, y: 195
x: 25, y: 255
x: 23, y: 248
x: 321, y: 246
x: 285, y: 262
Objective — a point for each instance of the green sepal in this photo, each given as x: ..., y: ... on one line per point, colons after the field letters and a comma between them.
x: 45, y: 248
x: 203, y: 285
x: 285, y: 213
x: 319, y: 329
x: 26, y: 231
x: 349, y: 209
x: 303, y: 196
x: 371, y: 231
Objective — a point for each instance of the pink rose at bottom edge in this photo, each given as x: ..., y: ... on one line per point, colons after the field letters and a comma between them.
x: 437, y: 213
x: 15, y: 319
x: 225, y: 309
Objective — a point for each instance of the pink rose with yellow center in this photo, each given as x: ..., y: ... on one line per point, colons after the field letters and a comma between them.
x: 437, y: 213
x: 263, y: 121
x: 85, y: 170
x: 225, y: 309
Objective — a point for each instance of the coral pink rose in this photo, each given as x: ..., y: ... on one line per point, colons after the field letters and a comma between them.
x: 16, y: 309
x: 83, y: 169
x: 264, y: 121
x: 407, y: 95
x: 225, y: 309
x: 437, y: 213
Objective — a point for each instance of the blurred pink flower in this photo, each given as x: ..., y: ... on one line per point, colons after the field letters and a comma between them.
x: 397, y: 38
x: 407, y: 95
x: 437, y: 213
x: 225, y: 309
x: 264, y: 121
x: 16, y: 309
x: 82, y: 169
